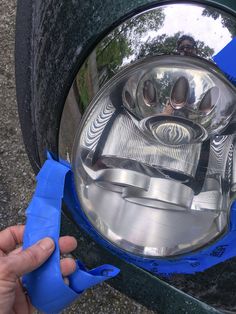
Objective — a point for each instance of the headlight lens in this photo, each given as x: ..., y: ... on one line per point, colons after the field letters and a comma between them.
x: 153, y: 159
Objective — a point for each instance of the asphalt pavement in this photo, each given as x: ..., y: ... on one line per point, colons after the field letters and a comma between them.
x: 17, y: 180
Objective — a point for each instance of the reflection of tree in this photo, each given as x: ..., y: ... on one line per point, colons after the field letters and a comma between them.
x: 165, y: 84
x: 162, y: 44
x: 203, y: 50
x: 164, y: 87
x: 226, y: 21
x: 110, y: 53
x: 123, y: 41
x: 127, y: 42
x: 165, y: 44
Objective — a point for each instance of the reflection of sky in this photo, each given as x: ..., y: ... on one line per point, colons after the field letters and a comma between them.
x: 189, y: 20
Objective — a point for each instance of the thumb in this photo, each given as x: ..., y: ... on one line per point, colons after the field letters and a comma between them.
x: 31, y: 258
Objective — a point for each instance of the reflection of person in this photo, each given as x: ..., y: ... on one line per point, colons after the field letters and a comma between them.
x: 183, y: 90
x: 168, y: 109
x: 186, y: 46
x: 14, y: 263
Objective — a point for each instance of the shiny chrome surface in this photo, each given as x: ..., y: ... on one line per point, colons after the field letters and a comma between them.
x: 119, y: 177
x: 154, y: 32
x: 137, y: 187
x: 161, y: 192
x: 134, y: 157
x: 173, y: 131
x: 125, y: 132
x: 146, y: 230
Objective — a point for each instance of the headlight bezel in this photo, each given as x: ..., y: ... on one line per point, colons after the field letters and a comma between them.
x: 122, y: 68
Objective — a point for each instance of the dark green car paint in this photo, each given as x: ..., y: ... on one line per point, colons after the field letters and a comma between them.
x: 53, y: 38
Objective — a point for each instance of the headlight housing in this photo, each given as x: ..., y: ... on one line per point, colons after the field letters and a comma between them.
x: 154, y: 153
x: 139, y: 156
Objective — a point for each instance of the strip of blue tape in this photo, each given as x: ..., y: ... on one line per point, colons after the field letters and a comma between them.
x: 226, y: 60
x: 45, y: 286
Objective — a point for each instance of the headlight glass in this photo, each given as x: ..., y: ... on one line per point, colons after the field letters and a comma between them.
x: 153, y: 156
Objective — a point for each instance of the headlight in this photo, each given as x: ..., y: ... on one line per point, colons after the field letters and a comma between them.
x: 140, y: 151
x: 154, y: 154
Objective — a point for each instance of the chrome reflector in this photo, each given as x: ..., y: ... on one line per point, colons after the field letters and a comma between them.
x: 153, y: 156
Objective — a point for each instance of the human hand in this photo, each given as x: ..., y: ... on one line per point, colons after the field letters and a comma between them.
x: 14, y: 263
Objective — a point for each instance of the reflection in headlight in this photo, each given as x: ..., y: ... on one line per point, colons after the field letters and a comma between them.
x: 154, y: 168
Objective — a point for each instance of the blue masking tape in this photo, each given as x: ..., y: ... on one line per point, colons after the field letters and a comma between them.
x: 226, y: 60
x: 45, y: 285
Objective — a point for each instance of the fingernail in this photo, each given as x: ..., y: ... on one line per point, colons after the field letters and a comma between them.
x: 47, y: 244
x: 66, y: 281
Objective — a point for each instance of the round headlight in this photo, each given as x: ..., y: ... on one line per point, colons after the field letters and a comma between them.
x: 139, y: 150
x: 153, y: 157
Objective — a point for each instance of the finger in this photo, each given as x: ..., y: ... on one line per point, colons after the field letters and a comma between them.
x: 67, y: 244
x: 11, y: 237
x: 29, y: 259
x: 16, y: 251
x: 68, y: 266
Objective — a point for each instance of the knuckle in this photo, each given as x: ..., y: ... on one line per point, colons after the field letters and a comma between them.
x: 5, y: 268
x: 32, y: 256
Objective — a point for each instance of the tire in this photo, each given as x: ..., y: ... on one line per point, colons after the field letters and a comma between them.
x: 52, y: 41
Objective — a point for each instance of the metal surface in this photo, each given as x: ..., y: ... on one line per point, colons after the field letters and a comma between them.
x: 139, y: 188
x: 161, y: 192
x: 120, y: 177
x: 125, y: 132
